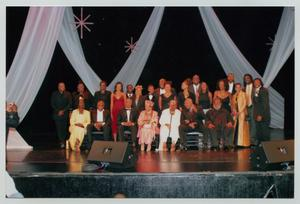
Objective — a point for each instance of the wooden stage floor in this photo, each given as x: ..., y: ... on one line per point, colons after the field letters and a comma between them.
x: 64, y: 161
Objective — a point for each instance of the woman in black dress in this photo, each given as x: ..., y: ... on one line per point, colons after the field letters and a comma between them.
x: 185, y: 93
x: 165, y: 98
x: 223, y: 94
x: 205, y: 97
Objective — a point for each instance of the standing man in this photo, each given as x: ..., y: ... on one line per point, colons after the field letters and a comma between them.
x: 61, y: 102
x: 195, y: 87
x: 151, y: 97
x: 230, y: 82
x: 261, y: 111
x: 249, y: 90
x: 102, y: 95
x: 129, y: 91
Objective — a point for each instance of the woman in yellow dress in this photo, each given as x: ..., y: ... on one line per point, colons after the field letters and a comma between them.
x: 239, y: 111
x: 79, y: 120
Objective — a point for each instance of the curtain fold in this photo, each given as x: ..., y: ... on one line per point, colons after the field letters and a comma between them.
x: 133, y: 67
x: 71, y: 46
x: 232, y: 60
x: 283, y: 45
x: 33, y: 56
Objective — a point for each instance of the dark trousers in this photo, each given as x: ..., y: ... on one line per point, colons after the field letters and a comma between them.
x: 220, y: 134
x: 90, y: 128
x: 62, y: 129
x: 262, y: 131
x: 252, y: 126
x: 132, y: 129
x: 184, y: 129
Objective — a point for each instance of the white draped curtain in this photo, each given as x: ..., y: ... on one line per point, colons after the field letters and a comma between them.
x: 232, y: 60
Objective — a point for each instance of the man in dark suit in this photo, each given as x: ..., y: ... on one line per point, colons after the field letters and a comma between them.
x: 129, y: 91
x: 82, y: 92
x: 151, y: 96
x: 230, y: 83
x: 191, y: 120
x: 103, y: 95
x: 100, y: 121
x: 161, y: 87
x: 61, y: 102
x: 127, y: 120
x: 261, y: 111
x: 195, y: 87
x: 219, y: 124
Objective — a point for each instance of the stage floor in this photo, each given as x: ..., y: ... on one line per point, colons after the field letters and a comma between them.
x: 64, y: 161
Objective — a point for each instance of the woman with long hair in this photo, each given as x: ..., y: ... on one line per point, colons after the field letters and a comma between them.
x: 118, y: 98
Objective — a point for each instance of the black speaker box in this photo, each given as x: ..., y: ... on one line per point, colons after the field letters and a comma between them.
x: 119, y: 155
x: 272, y: 155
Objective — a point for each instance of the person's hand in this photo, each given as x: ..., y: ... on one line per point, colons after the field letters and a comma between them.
x: 79, y: 125
x: 229, y: 125
x: 192, y: 125
x: 210, y: 126
x: 168, y: 126
x: 186, y: 121
x: 259, y: 118
x: 61, y: 112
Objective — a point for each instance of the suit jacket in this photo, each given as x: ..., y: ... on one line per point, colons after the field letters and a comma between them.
x: 191, y: 89
x: 102, y: 96
x: 261, y: 105
x: 154, y: 100
x: 219, y: 118
x: 61, y: 102
x: 122, y: 116
x: 227, y: 85
x: 106, y: 117
x: 192, y: 117
x: 139, y: 106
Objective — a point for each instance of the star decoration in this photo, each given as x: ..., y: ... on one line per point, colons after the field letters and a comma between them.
x: 82, y: 23
x: 130, y: 46
x: 270, y: 43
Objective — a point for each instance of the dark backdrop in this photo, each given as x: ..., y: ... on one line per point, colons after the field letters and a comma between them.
x: 181, y: 49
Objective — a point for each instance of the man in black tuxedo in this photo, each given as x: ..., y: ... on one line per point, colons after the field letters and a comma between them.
x: 191, y: 120
x: 103, y: 95
x: 127, y: 120
x: 129, y: 91
x: 195, y: 87
x: 151, y: 96
x: 230, y: 83
x: 261, y: 111
x: 100, y: 121
x: 61, y: 102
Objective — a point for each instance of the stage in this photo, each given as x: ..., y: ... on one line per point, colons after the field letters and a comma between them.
x: 193, y: 174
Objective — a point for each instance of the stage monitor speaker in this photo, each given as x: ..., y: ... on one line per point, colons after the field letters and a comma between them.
x: 119, y: 155
x: 272, y: 155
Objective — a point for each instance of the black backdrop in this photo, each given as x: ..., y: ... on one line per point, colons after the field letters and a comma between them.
x: 181, y: 49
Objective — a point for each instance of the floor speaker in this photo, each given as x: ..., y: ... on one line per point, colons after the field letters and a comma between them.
x: 119, y: 155
x: 272, y: 155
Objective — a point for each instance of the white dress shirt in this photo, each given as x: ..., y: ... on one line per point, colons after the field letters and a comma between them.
x: 150, y: 96
x: 162, y: 91
x: 196, y: 88
x: 128, y: 114
x: 100, y: 116
x: 231, y: 87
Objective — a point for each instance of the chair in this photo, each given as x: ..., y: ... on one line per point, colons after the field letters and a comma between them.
x: 194, y: 140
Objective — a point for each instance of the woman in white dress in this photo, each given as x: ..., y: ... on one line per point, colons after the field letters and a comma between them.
x: 79, y: 120
x: 169, y: 126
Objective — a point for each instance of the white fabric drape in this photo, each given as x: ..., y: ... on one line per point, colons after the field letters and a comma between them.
x: 283, y: 45
x: 31, y: 62
x: 232, y: 60
x: 33, y: 56
x: 71, y: 45
x: 132, y: 69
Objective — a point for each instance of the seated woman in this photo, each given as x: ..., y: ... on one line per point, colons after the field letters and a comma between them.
x: 147, y: 122
x: 79, y: 120
x: 169, y: 126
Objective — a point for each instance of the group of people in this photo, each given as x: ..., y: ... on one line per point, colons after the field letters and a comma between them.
x: 234, y: 115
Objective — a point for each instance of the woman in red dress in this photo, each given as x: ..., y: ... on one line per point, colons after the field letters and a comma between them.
x: 118, y: 98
